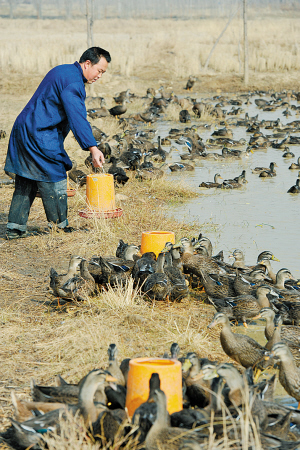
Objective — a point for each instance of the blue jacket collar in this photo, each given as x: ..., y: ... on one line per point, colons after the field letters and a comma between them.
x: 80, y: 69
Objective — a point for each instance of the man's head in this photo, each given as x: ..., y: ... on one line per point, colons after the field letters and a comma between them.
x: 94, y: 62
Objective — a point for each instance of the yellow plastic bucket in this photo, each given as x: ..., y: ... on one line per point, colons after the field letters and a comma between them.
x: 154, y: 241
x: 140, y: 371
x: 100, y: 192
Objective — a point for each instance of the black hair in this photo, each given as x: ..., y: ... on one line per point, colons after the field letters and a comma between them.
x: 94, y: 54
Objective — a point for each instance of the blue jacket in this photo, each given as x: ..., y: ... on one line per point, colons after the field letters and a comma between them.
x: 35, y: 148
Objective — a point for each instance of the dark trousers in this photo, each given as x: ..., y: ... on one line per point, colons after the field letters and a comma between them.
x: 54, y: 197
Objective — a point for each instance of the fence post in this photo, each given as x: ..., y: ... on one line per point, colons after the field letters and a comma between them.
x: 90, y: 21
x: 246, y: 65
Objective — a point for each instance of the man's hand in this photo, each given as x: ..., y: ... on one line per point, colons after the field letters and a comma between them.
x: 97, y: 156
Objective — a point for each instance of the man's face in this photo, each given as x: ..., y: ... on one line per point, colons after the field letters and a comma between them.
x: 93, y: 72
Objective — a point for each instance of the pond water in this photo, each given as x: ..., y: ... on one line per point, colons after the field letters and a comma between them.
x: 259, y: 216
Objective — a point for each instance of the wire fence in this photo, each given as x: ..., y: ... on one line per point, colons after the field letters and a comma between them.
x: 138, y: 9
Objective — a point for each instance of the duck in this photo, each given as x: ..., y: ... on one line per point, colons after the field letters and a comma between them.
x: 247, y: 306
x: 179, y: 287
x: 159, y: 154
x: 259, y: 170
x: 145, y: 415
x: 287, y: 153
x: 295, y: 165
x: 195, y: 263
x: 296, y: 188
x: 101, y: 111
x: 211, y: 184
x: 85, y: 408
x: 281, y: 277
x: 184, y: 116
x: 268, y: 173
x: 218, y: 287
x: 119, y: 110
x: 181, y: 166
x: 247, y: 283
x: 230, y: 184
x: 239, y: 259
x: 57, y: 281
x: 174, y: 352
x: 127, y: 252
x: 77, y: 175
x: 203, y: 241
x: 289, y: 373
x: 240, y: 347
x: 264, y: 259
x: 293, y: 343
x: 118, y: 173
x: 143, y: 267
x: 113, y: 366
x: 232, y: 153
x: 287, y: 332
x: 190, y: 83
x: 154, y: 173
x: 223, y: 133
x: 80, y: 287
x: 157, y: 285
x: 27, y: 410
x: 161, y: 435
x: 197, y: 389
x: 166, y: 141
x: 120, y: 97
x: 110, y: 270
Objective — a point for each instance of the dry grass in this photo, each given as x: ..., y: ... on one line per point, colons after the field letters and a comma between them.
x: 170, y: 47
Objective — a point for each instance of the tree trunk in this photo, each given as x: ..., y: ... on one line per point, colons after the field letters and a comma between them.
x: 246, y: 65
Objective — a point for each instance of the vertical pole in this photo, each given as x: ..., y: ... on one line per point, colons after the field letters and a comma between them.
x: 39, y: 9
x: 246, y: 66
x: 90, y: 21
x: 68, y: 10
x: 11, y: 9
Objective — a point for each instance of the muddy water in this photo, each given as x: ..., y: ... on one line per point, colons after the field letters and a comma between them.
x: 259, y: 216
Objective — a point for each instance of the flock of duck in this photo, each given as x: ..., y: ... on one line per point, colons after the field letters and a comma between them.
x: 217, y: 396
x: 134, y: 149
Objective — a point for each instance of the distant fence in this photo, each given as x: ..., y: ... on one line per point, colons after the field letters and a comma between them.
x: 127, y: 9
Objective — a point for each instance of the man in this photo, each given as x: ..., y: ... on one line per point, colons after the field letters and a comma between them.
x: 35, y: 151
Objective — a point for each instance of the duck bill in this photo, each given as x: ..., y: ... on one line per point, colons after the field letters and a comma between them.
x: 211, y: 325
x: 211, y: 375
x: 186, y: 365
x: 111, y: 379
x: 256, y: 317
x: 178, y: 245
x: 275, y: 259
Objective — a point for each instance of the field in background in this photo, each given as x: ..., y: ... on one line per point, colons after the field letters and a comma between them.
x: 152, y: 49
